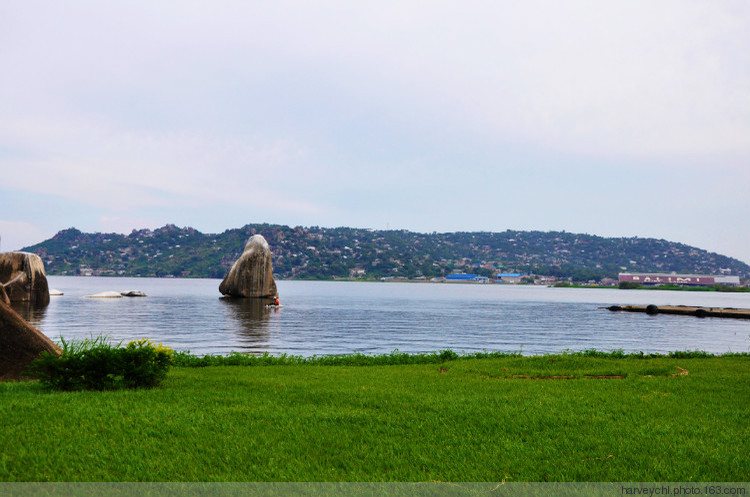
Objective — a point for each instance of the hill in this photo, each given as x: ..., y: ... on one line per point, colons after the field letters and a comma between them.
x: 327, y: 253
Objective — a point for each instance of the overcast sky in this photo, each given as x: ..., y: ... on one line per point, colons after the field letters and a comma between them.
x: 613, y: 118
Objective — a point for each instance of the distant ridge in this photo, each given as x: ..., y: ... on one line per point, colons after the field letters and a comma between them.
x: 329, y: 253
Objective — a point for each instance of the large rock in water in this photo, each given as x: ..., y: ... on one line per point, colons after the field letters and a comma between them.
x: 23, y: 278
x: 20, y: 344
x: 252, y: 274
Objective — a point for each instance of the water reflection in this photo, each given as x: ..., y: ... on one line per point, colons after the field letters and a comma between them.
x: 32, y: 313
x: 252, y: 318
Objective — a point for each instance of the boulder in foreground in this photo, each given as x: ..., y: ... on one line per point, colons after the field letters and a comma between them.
x: 20, y: 344
x: 23, y: 278
x: 252, y: 274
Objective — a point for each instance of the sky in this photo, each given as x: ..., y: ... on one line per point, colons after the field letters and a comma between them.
x: 603, y: 117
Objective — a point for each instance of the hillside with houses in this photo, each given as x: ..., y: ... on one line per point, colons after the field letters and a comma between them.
x: 337, y: 253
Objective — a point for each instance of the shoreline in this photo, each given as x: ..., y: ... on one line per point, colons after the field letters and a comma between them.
x: 677, y: 288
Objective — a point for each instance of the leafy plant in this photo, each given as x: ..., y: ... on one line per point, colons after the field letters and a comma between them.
x: 629, y: 285
x: 96, y: 364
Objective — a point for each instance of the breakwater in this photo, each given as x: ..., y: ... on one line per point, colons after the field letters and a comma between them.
x: 697, y: 311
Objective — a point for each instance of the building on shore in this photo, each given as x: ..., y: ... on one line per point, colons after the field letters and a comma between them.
x: 679, y: 279
x: 510, y: 278
x: 465, y: 278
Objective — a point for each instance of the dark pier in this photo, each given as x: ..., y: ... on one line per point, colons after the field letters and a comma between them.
x: 683, y: 310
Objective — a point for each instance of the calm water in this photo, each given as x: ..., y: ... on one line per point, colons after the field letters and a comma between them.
x: 342, y: 317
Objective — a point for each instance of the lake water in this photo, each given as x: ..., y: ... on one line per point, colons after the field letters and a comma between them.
x: 320, y: 318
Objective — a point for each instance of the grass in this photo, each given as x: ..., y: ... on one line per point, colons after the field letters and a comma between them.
x: 186, y: 359
x: 571, y: 417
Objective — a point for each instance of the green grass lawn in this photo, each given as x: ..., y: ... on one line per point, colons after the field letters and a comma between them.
x: 558, y: 418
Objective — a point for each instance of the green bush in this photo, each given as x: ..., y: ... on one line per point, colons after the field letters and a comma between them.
x: 629, y: 285
x: 96, y: 364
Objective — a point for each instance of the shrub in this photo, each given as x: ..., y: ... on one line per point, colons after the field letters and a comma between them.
x: 629, y: 285
x: 563, y: 284
x: 448, y: 355
x: 95, y: 364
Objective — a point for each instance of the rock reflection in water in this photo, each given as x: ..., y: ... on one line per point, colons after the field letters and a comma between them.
x: 252, y: 317
x: 31, y: 313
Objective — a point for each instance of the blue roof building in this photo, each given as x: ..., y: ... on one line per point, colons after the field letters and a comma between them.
x: 464, y: 277
x: 513, y: 278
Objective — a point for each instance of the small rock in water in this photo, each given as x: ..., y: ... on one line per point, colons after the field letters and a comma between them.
x: 133, y: 293
x: 105, y: 295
